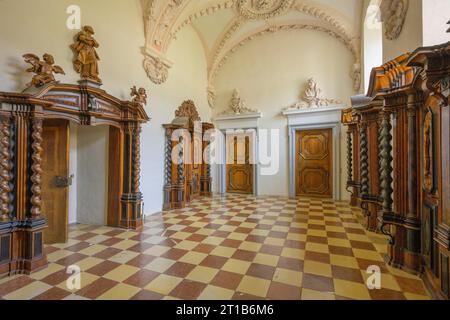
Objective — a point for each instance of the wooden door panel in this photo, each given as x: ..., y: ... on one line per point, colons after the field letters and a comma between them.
x: 314, y: 163
x: 55, y: 163
x: 239, y: 170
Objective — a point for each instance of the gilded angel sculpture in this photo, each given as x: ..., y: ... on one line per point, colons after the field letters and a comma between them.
x: 139, y: 96
x: 86, y: 60
x: 44, y: 70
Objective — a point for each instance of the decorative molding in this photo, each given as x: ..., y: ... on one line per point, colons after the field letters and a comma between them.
x: 312, y: 98
x: 356, y: 68
x: 263, y: 9
x: 393, y: 14
x: 237, y: 106
x: 157, y: 68
x: 211, y: 94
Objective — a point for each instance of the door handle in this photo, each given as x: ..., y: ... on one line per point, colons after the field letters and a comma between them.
x: 63, y: 182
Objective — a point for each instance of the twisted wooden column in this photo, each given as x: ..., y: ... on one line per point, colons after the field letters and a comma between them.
x: 36, y: 168
x: 168, y: 160
x: 349, y: 156
x: 5, y: 169
x: 364, y: 160
x: 180, y: 168
x: 137, y: 159
x: 385, y: 155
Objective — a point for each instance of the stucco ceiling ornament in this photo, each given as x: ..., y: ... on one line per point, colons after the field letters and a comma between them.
x: 263, y: 9
x: 312, y: 98
x: 157, y: 68
x: 237, y: 106
x: 393, y: 13
x: 211, y: 95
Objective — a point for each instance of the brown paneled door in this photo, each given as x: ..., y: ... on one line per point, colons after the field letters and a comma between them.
x: 239, y: 155
x: 55, y: 166
x: 314, y: 162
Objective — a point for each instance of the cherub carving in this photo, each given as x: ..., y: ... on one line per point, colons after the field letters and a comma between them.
x: 44, y: 70
x: 139, y: 96
x: 86, y: 60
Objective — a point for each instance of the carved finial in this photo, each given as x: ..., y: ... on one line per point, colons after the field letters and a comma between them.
x: 139, y: 96
x: 44, y: 70
x: 86, y: 57
x: 312, y: 97
x: 188, y: 110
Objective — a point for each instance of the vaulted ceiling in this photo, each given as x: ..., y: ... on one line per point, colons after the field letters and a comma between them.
x: 224, y: 26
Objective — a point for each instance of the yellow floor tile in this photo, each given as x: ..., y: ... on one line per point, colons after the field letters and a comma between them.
x: 293, y: 253
x: 308, y: 294
x: 163, y: 284
x: 216, y: 293
x: 344, y: 261
x: 367, y: 255
x: 236, y: 266
x: 120, y: 292
x: 202, y: 274
x: 266, y: 259
x: 193, y: 257
x: 157, y: 250
x: 254, y: 286
x: 223, y: 252
x: 52, y: 268
x: 121, y: 273
x: 160, y: 265
x: 317, y: 268
x: 351, y: 290
x: 289, y: 277
x: 317, y: 247
x: 28, y: 292
x: 250, y: 246
x: 93, y: 250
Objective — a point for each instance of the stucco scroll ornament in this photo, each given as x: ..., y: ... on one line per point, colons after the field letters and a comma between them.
x: 312, y: 98
x: 157, y: 70
x: 393, y: 13
x: 237, y: 106
x: 139, y: 96
x: 263, y: 9
x: 356, y: 75
x: 44, y: 70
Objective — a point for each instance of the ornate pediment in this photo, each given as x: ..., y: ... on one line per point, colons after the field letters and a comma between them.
x: 237, y: 106
x: 312, y: 98
x: 188, y: 110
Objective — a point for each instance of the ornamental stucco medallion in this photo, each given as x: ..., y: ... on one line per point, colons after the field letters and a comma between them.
x: 263, y: 9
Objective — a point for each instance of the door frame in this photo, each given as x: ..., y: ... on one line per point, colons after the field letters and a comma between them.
x: 336, y: 146
x: 223, y: 165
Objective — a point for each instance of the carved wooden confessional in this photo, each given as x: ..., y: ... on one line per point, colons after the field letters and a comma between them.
x: 399, y: 163
x: 23, y: 117
x: 187, y: 174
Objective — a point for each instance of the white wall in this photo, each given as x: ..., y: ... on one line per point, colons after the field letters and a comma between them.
x: 31, y: 26
x: 270, y: 72
x: 436, y: 14
x: 411, y: 36
x: 92, y: 174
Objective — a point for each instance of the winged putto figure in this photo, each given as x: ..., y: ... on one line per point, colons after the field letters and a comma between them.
x: 139, y: 96
x: 44, y: 70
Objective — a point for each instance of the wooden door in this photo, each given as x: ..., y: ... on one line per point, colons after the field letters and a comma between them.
x: 239, y: 173
x: 314, y: 162
x: 54, y: 195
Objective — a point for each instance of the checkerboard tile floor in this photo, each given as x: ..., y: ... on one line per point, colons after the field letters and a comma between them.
x: 232, y: 247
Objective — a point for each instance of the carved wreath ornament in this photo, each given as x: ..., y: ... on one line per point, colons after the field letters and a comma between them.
x: 263, y: 9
